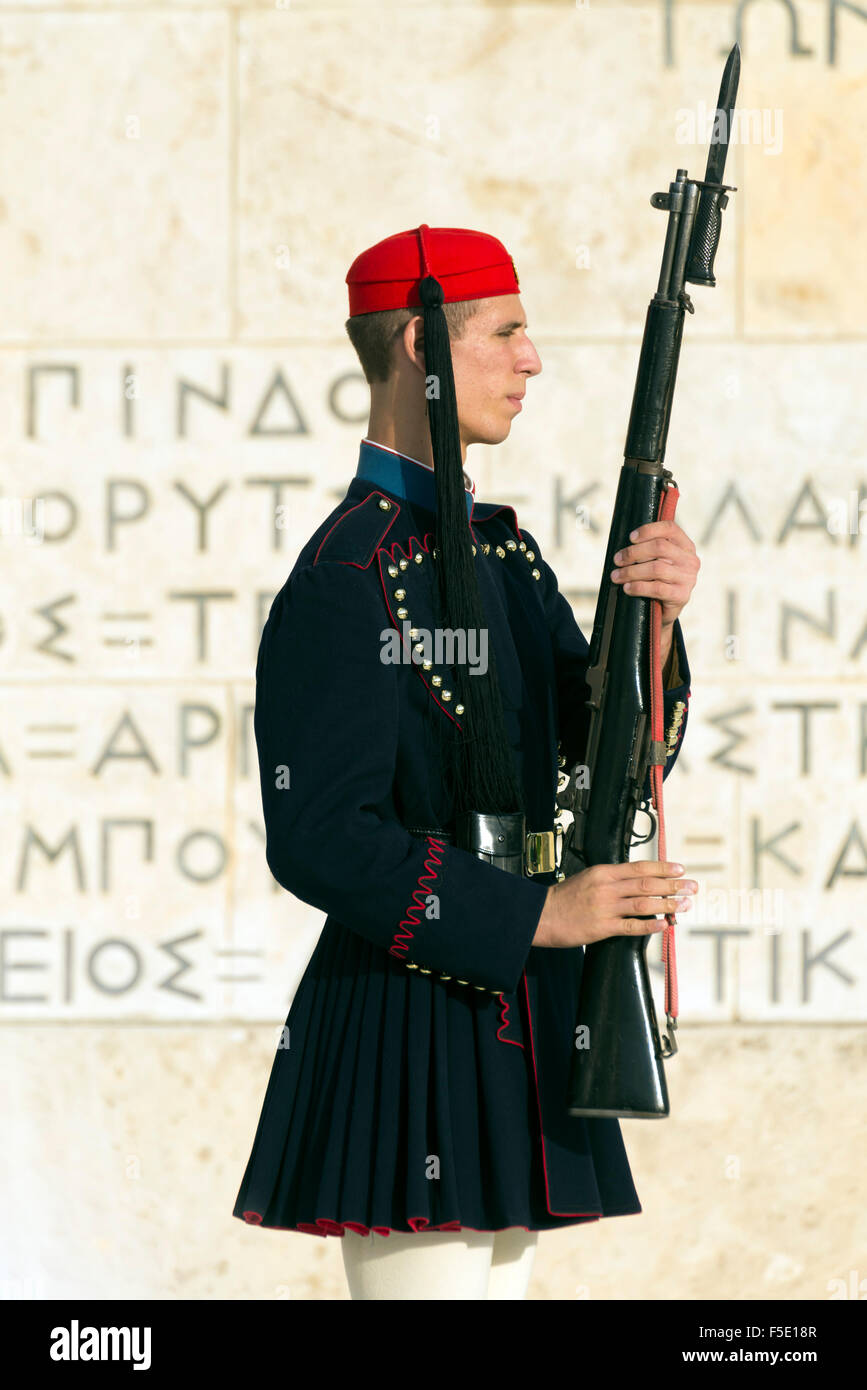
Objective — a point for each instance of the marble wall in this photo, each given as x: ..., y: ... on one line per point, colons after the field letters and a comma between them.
x: 183, y: 192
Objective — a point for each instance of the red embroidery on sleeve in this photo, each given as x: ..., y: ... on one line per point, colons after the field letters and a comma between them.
x: 504, y: 1023
x: 432, y: 862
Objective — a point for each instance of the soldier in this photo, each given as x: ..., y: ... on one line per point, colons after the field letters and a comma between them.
x: 420, y: 663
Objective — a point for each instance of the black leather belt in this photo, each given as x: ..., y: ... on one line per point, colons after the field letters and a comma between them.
x: 503, y: 841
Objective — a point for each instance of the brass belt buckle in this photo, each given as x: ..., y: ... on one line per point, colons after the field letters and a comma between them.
x: 540, y: 852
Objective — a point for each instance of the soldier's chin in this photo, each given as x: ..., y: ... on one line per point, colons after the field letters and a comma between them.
x: 492, y: 432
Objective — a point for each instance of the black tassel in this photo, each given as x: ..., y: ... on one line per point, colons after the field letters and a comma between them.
x: 482, y: 772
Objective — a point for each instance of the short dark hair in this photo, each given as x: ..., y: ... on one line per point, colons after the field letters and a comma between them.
x: 373, y: 335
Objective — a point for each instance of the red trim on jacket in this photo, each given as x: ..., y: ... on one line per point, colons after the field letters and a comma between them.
x: 357, y: 565
x: 398, y: 949
x: 504, y: 1023
x: 503, y: 507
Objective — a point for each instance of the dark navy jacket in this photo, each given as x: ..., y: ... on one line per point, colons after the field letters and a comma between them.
x: 348, y: 761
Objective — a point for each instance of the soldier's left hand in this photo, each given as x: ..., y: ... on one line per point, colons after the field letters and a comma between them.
x: 661, y: 562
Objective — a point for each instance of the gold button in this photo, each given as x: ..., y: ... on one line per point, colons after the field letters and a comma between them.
x: 482, y: 987
x: 410, y: 966
x: 419, y: 647
x: 393, y: 571
x: 413, y: 632
x: 523, y: 545
x: 501, y: 552
x: 531, y: 554
x: 511, y: 545
x: 463, y: 982
x: 474, y: 550
x: 447, y: 694
x: 436, y: 680
x: 422, y: 971
x: 403, y: 564
x: 459, y: 709
x: 418, y: 557
x: 486, y: 549
x: 536, y: 574
x: 426, y: 665
x: 400, y: 593
x: 386, y: 506
x: 403, y: 612
x: 445, y: 977
x: 434, y: 552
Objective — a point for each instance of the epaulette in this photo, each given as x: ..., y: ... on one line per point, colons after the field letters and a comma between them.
x: 484, y: 511
x: 356, y: 535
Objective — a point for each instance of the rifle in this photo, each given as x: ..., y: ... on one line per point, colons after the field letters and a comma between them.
x: 622, y: 1072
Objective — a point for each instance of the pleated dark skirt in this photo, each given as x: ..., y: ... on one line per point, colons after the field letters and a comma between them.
x: 397, y: 1102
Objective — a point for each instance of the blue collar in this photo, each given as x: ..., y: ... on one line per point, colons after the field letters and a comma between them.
x: 402, y: 476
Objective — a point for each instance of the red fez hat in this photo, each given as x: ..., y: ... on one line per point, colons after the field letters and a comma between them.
x: 468, y: 265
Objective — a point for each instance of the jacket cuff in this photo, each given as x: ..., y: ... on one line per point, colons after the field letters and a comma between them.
x: 478, y: 922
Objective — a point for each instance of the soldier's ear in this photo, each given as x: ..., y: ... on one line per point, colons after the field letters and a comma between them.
x: 412, y: 341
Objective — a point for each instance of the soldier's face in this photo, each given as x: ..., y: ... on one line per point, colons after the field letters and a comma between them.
x: 493, y: 361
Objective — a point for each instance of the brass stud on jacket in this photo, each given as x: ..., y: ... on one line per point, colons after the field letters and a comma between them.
x: 483, y: 989
x: 459, y: 709
x: 536, y: 574
x: 501, y: 552
x: 403, y: 564
x: 403, y: 612
x: 436, y: 680
x: 511, y: 545
x: 418, y: 557
x: 386, y: 506
x: 400, y: 593
x: 530, y: 554
x: 447, y: 694
x: 393, y: 571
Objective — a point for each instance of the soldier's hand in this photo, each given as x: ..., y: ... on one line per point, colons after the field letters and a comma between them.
x: 611, y: 900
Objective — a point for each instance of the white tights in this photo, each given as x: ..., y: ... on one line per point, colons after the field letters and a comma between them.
x: 440, y: 1264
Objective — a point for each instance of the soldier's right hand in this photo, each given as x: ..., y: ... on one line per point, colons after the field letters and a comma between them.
x: 613, y: 900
